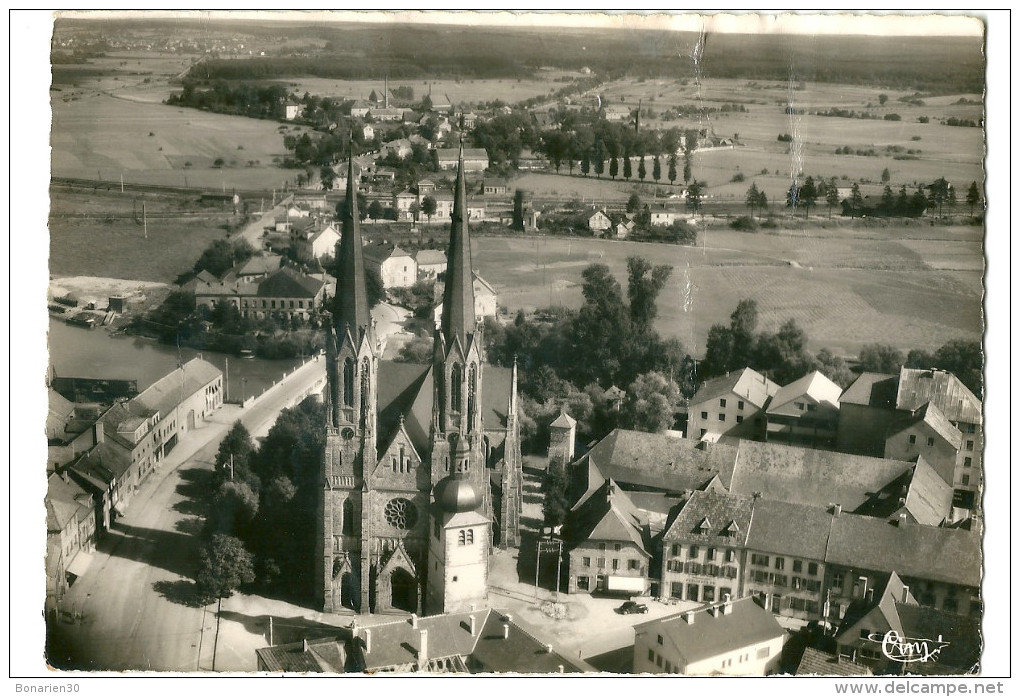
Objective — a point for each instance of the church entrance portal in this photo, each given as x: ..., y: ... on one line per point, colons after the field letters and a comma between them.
x: 350, y: 592
x: 405, y: 591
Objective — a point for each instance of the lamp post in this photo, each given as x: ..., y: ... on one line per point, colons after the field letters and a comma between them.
x: 243, y: 385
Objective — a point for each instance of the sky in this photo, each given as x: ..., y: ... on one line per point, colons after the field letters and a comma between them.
x: 943, y: 24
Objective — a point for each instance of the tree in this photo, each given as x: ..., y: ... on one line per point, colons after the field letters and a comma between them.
x: 885, y: 175
x: 644, y: 283
x: 586, y: 162
x: 224, y: 567
x: 641, y: 171
x: 856, y: 200
x: 633, y: 203
x: 752, y: 197
x: 627, y: 172
x: 903, y: 201
x: 221, y: 255
x: 417, y: 350
x: 554, y: 487
x: 834, y: 368
x: 375, y: 210
x: 428, y: 207
x: 656, y: 169
x: 415, y: 210
x: 236, y: 448
x: 614, y: 167
x: 694, y: 194
x: 880, y: 358
x: 973, y: 197
x: 793, y: 195
x: 518, y: 215
x: 598, y: 158
x: 327, y: 176
x: 939, y: 193
x: 808, y: 195
x: 832, y: 195
x: 882, y: 99
x: 651, y: 403
x: 965, y: 360
x: 672, y: 168
x: 763, y: 202
x: 374, y: 287
x: 233, y: 508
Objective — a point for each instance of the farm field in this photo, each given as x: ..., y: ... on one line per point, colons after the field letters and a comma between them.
x: 845, y: 288
x: 101, y: 234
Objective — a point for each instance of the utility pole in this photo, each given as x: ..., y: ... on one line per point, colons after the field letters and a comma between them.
x: 121, y: 182
x: 145, y: 222
x: 270, y: 630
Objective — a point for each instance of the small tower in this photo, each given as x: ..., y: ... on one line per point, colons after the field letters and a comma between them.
x: 458, y: 565
x: 562, y: 432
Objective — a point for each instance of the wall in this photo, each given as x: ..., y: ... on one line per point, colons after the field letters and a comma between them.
x: 862, y: 429
x: 627, y: 555
x: 676, y: 554
x: 705, y: 415
x: 801, y: 593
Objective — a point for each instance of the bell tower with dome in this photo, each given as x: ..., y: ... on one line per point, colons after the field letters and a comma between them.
x: 458, y: 571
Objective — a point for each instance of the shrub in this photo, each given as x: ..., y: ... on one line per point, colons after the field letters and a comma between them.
x: 892, y: 117
x: 738, y: 177
x: 770, y: 224
x: 744, y: 223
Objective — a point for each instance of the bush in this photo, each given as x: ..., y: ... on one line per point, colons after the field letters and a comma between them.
x: 770, y: 224
x: 738, y: 177
x: 892, y: 117
x: 744, y: 223
x: 785, y: 138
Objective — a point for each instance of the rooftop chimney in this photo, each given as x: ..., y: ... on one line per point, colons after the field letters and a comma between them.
x: 472, y: 625
x: 548, y: 648
x: 304, y: 645
x: 423, y: 649
x: 368, y: 640
x: 414, y: 620
x: 906, y: 593
x: 97, y: 432
x: 871, y: 595
x: 506, y: 629
x: 559, y: 668
x: 688, y: 617
x: 836, y: 510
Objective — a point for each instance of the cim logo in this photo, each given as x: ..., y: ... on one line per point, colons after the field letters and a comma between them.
x: 908, y: 649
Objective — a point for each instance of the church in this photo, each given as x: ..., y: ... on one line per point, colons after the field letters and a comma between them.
x: 421, y: 474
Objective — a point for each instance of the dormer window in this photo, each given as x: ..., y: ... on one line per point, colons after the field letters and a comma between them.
x: 703, y: 527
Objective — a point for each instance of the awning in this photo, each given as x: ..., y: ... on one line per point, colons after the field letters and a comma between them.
x: 632, y: 584
x: 80, y: 564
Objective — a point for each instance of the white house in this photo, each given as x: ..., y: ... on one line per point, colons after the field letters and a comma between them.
x: 599, y: 222
x: 396, y: 267
x: 292, y: 110
x: 485, y: 299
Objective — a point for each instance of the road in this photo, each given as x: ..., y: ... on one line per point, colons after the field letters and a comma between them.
x: 135, y: 602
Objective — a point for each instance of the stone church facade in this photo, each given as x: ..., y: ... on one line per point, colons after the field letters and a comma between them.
x: 400, y: 434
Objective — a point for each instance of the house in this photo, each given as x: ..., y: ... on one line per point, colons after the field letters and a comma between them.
x: 202, y: 278
x: 623, y: 228
x: 952, y: 642
x: 658, y: 217
x: 321, y: 655
x: 530, y: 161
x: 68, y: 429
x: 311, y: 202
x: 485, y: 298
x: 70, y: 534
x: 731, y: 404
x: 285, y: 293
x: 258, y: 266
x: 477, y: 641
x: 386, y: 114
x: 606, y: 543
x: 431, y: 263
x: 618, y: 112
x: 928, y: 434
x: 805, y: 412
x: 599, y: 222
x: 367, y: 132
x: 425, y: 186
x: 817, y: 662
x: 360, y: 108
x: 402, y: 203
x: 732, y: 637
x: 475, y: 159
x: 495, y: 187
x: 319, y: 241
x: 866, y: 409
x: 400, y: 148
x: 396, y: 267
x: 292, y: 110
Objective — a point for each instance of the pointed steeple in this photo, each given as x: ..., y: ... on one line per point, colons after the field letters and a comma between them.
x: 350, y: 306
x: 458, y: 295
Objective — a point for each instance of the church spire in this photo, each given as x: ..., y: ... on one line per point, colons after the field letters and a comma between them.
x: 350, y: 306
x: 458, y: 295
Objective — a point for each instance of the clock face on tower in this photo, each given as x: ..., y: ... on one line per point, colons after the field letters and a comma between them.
x: 347, y: 433
x: 401, y: 514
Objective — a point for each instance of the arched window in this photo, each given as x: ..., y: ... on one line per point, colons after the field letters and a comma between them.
x: 348, y: 517
x: 472, y: 394
x: 348, y: 383
x: 462, y: 538
x: 470, y: 537
x: 364, y: 391
x: 455, y: 383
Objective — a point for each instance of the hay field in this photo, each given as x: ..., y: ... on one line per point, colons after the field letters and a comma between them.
x: 843, y: 290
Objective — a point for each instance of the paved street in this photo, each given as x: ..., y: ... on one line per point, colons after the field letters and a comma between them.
x: 135, y: 604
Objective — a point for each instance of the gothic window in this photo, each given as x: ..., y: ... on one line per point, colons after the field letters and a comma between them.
x: 472, y: 393
x: 348, y: 517
x: 462, y: 538
x: 470, y: 537
x: 348, y: 385
x: 455, y: 381
x: 364, y: 392
x: 401, y: 514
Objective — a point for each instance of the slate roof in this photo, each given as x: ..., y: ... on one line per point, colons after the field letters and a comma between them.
x: 172, y: 389
x: 930, y: 414
x: 394, y: 645
x: 817, y: 662
x: 288, y: 283
x: 929, y: 499
x: 66, y: 502
x: 883, y: 602
x: 102, y: 464
x: 937, y: 554
x: 917, y: 386
x: 426, y: 257
x: 811, y: 477
x: 564, y: 420
x: 871, y: 390
x: 722, y: 512
x: 326, y: 655
x: 258, y: 265
x: 747, y: 384
x: 746, y: 624
x: 379, y: 252
x: 657, y: 461
x: 607, y: 515
x: 787, y: 528
x: 814, y: 384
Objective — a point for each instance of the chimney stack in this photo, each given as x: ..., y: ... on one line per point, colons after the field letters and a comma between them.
x: 472, y: 624
x: 304, y: 645
x: 688, y: 617
x: 836, y: 510
x: 506, y: 628
x: 97, y: 432
x: 548, y: 648
x: 368, y: 640
x: 560, y: 668
x: 414, y: 620
x: 906, y: 593
x: 423, y: 649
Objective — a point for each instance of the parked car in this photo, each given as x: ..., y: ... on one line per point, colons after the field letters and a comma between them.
x: 632, y: 608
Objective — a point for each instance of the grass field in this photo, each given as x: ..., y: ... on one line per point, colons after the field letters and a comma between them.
x: 844, y: 288
x: 96, y: 234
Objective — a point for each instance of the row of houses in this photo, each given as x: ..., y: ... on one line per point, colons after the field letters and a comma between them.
x: 917, y: 413
x: 284, y: 293
x: 127, y: 442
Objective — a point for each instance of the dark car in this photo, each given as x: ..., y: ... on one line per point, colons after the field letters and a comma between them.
x: 632, y: 608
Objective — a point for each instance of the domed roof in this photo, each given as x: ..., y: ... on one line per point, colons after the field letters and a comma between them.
x: 456, y: 495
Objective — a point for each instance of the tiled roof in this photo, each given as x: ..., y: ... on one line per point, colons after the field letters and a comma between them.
x: 789, y: 528
x: 451, y: 154
x: 930, y: 414
x: 919, y: 551
x: 288, y: 283
x: 607, y: 515
x: 263, y: 264
x: 58, y: 414
x: 66, y: 502
x: 381, y: 251
x: 564, y: 420
x: 723, y: 513
x: 917, y: 386
x: 811, y: 477
x: 102, y: 464
x: 929, y: 499
x: 430, y: 256
x: 883, y: 602
x: 817, y: 662
x: 746, y: 624
x: 326, y: 655
x: 962, y: 634
x: 747, y: 384
x: 871, y: 390
x: 172, y: 389
x: 658, y: 461
x: 815, y: 385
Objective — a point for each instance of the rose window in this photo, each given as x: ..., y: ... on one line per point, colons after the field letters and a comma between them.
x: 401, y: 514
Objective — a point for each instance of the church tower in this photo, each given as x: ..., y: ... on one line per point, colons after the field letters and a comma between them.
x: 459, y: 543
x: 352, y: 363
x: 458, y: 444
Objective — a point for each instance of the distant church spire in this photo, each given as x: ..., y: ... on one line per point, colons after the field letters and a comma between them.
x: 350, y: 308
x: 458, y: 295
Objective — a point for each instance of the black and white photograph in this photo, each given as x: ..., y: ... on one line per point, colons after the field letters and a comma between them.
x: 477, y: 343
